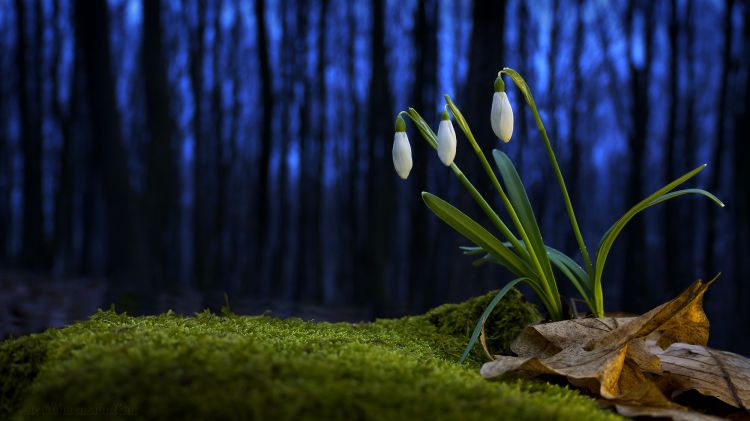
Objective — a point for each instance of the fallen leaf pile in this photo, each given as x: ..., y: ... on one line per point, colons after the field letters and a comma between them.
x: 641, y: 365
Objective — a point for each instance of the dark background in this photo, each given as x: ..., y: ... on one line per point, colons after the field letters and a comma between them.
x: 182, y: 153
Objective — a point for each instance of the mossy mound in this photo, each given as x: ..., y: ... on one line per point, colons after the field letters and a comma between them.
x: 115, y: 366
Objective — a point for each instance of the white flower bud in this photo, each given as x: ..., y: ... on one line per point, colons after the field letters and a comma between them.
x: 446, y: 140
x: 502, y: 116
x: 401, y: 150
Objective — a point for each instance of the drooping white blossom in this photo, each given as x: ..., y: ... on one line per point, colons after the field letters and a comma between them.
x: 401, y: 150
x: 501, y: 115
x: 446, y: 140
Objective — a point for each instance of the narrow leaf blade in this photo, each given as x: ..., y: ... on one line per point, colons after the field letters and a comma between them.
x: 474, y: 232
x: 487, y: 311
x: 520, y: 201
x: 657, y: 197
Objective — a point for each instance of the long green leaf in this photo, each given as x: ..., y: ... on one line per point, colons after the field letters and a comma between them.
x: 520, y: 200
x: 657, y: 197
x: 475, y: 233
x: 522, y: 207
x: 567, y: 266
x: 683, y: 192
x: 559, y: 258
x: 613, y: 231
x: 487, y: 311
x: 575, y: 274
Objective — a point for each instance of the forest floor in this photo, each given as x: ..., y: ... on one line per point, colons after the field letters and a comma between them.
x: 210, y: 366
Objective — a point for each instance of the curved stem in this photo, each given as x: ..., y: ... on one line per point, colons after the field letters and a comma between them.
x: 549, y: 284
x: 521, y: 84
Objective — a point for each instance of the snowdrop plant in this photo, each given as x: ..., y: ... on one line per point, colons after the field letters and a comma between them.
x: 522, y: 252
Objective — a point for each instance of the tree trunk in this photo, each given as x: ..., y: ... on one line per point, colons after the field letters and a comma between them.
x: 30, y: 107
x: 689, y: 128
x: 740, y: 152
x: 380, y: 178
x: 216, y: 241
x: 266, y: 120
x: 319, y: 240
x: 673, y: 239
x: 5, y: 169
x: 574, y: 140
x: 280, y: 255
x: 636, y: 295
x: 717, y: 153
x: 63, y: 239
x: 161, y: 168
x: 486, y: 58
x: 356, y: 273
x: 523, y: 67
x: 124, y: 258
x: 304, y: 255
x: 421, y: 275
x: 197, y: 52
x: 235, y: 136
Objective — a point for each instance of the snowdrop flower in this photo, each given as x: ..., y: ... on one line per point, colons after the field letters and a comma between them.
x: 401, y: 150
x: 502, y: 113
x: 446, y: 140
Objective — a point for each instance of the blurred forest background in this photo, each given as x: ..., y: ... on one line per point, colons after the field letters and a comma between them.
x: 161, y: 154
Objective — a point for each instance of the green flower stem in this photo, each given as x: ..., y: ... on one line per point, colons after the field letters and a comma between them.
x: 547, y: 277
x: 555, y: 309
x: 521, y: 84
x: 430, y: 137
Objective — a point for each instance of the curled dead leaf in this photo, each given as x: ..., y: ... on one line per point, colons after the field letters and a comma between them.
x: 639, y: 364
x: 712, y: 372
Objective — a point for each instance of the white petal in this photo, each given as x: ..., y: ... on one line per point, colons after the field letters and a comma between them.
x: 401, y: 154
x: 446, y: 142
x: 495, y: 113
x: 502, y: 116
x: 506, y: 120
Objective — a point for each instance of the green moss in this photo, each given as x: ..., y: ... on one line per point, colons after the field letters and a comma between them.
x: 237, y: 367
x: 20, y: 360
x: 504, y: 324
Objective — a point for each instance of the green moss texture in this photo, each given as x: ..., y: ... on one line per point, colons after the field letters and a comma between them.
x: 115, y: 366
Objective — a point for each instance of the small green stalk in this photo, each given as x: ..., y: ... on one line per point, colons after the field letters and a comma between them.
x: 521, y: 84
x: 548, y: 280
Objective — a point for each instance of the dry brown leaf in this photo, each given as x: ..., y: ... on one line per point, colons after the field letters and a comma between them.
x: 548, y: 339
x: 681, y: 319
x: 485, y: 348
x: 601, y: 371
x: 641, y: 352
x: 638, y: 363
x: 721, y: 374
